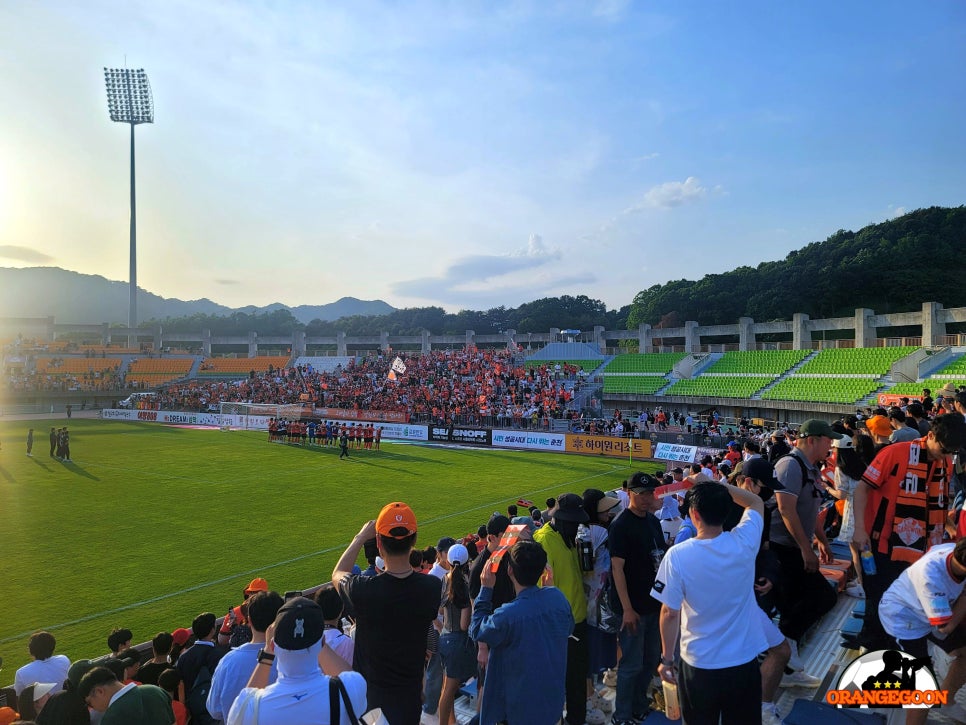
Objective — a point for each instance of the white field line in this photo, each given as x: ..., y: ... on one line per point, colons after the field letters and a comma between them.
x: 251, y: 572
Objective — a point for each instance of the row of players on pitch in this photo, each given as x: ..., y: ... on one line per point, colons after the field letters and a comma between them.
x: 325, y: 433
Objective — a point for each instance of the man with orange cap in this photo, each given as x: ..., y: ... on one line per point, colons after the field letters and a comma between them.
x: 234, y: 627
x: 393, y: 614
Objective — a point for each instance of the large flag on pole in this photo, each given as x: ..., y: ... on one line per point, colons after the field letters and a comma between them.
x: 398, y: 365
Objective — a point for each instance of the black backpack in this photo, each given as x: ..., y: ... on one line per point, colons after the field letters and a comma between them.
x: 196, y: 699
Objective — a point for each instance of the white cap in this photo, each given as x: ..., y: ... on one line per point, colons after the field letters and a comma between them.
x: 42, y: 688
x: 458, y: 554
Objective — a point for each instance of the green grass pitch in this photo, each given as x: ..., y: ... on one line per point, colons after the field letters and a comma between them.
x: 151, y: 525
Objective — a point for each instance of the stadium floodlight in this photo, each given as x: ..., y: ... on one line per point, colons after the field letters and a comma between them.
x: 129, y: 100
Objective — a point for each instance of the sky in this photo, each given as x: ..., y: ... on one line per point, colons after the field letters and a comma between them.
x: 469, y: 154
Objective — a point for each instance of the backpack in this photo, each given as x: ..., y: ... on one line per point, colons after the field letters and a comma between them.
x: 196, y: 699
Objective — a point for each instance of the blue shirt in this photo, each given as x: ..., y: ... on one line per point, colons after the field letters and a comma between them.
x: 231, y: 676
x: 527, y: 636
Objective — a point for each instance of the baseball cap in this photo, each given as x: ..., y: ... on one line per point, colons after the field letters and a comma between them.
x: 299, y: 624
x: 815, y: 428
x: 762, y: 471
x: 444, y: 543
x: 8, y: 715
x: 524, y: 521
x: 257, y: 585
x: 42, y: 688
x: 181, y: 635
x: 497, y: 524
x: 396, y: 517
x: 457, y: 554
x: 843, y: 442
x: 879, y: 425
x: 78, y: 670
x: 570, y: 507
x: 641, y: 482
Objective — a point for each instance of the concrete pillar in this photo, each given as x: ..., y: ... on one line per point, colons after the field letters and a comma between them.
x: 340, y: 346
x: 206, y: 342
x: 252, y: 344
x: 746, y: 334
x: 298, y: 343
x: 932, y: 326
x: 599, y: 337
x: 384, y: 342
x: 644, y: 338
x: 865, y: 332
x: 470, y: 339
x: 49, y: 328
x: 427, y: 345
x: 691, y: 340
x: 105, y: 332
x: 801, y: 337
x: 156, y: 339
x: 554, y: 334
x: 511, y: 339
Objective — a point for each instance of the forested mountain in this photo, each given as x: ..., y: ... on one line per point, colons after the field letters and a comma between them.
x: 890, y: 267
x: 579, y: 312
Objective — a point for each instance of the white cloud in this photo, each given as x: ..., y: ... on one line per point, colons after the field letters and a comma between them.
x: 674, y: 193
x: 494, y: 279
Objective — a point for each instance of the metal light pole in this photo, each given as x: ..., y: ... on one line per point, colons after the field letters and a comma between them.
x: 129, y: 100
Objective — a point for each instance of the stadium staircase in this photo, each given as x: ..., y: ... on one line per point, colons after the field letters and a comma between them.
x: 788, y: 373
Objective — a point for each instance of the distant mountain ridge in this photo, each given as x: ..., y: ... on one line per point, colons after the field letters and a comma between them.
x: 75, y: 298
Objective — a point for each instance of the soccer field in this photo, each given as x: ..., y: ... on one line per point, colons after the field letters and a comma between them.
x: 151, y: 525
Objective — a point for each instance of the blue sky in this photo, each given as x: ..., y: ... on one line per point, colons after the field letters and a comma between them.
x: 470, y: 154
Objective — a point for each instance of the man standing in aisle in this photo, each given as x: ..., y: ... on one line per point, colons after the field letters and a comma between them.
x: 558, y: 539
x: 711, y: 577
x: 393, y: 614
x: 805, y: 596
x: 636, y: 548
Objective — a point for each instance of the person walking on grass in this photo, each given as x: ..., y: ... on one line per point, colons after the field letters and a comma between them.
x: 30, y: 442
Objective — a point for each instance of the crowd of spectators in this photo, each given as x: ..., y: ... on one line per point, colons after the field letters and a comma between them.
x: 464, y: 387
x: 605, y: 588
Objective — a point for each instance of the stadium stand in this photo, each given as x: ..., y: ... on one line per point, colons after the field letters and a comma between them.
x: 736, y: 386
x: 240, y: 366
x: 854, y: 361
x: 823, y: 389
x: 585, y: 365
x: 955, y: 369
x: 634, y: 384
x: 653, y: 363
x: 150, y: 372
x: 76, y: 365
x: 758, y: 362
x: 916, y: 388
x: 324, y: 363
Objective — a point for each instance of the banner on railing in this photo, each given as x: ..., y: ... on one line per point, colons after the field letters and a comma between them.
x: 530, y: 441
x: 163, y: 416
x: 458, y: 434
x: 608, y: 446
x: 675, y: 452
x: 887, y: 400
x: 374, y: 416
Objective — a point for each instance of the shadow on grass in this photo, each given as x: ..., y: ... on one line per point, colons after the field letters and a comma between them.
x: 42, y: 465
x: 78, y: 471
x: 7, y: 475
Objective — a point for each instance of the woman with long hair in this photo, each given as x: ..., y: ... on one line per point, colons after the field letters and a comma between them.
x: 456, y: 649
x: 849, y: 467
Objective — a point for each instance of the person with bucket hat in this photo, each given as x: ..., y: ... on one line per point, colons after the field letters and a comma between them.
x: 558, y: 539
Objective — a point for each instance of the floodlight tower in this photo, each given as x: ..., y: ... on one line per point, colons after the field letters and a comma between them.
x: 129, y: 100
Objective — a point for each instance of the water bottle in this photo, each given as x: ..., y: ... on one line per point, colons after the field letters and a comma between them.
x: 868, y: 562
x: 586, y: 553
x: 672, y: 706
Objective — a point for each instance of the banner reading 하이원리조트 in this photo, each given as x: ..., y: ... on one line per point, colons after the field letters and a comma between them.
x: 531, y: 441
x: 608, y: 446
